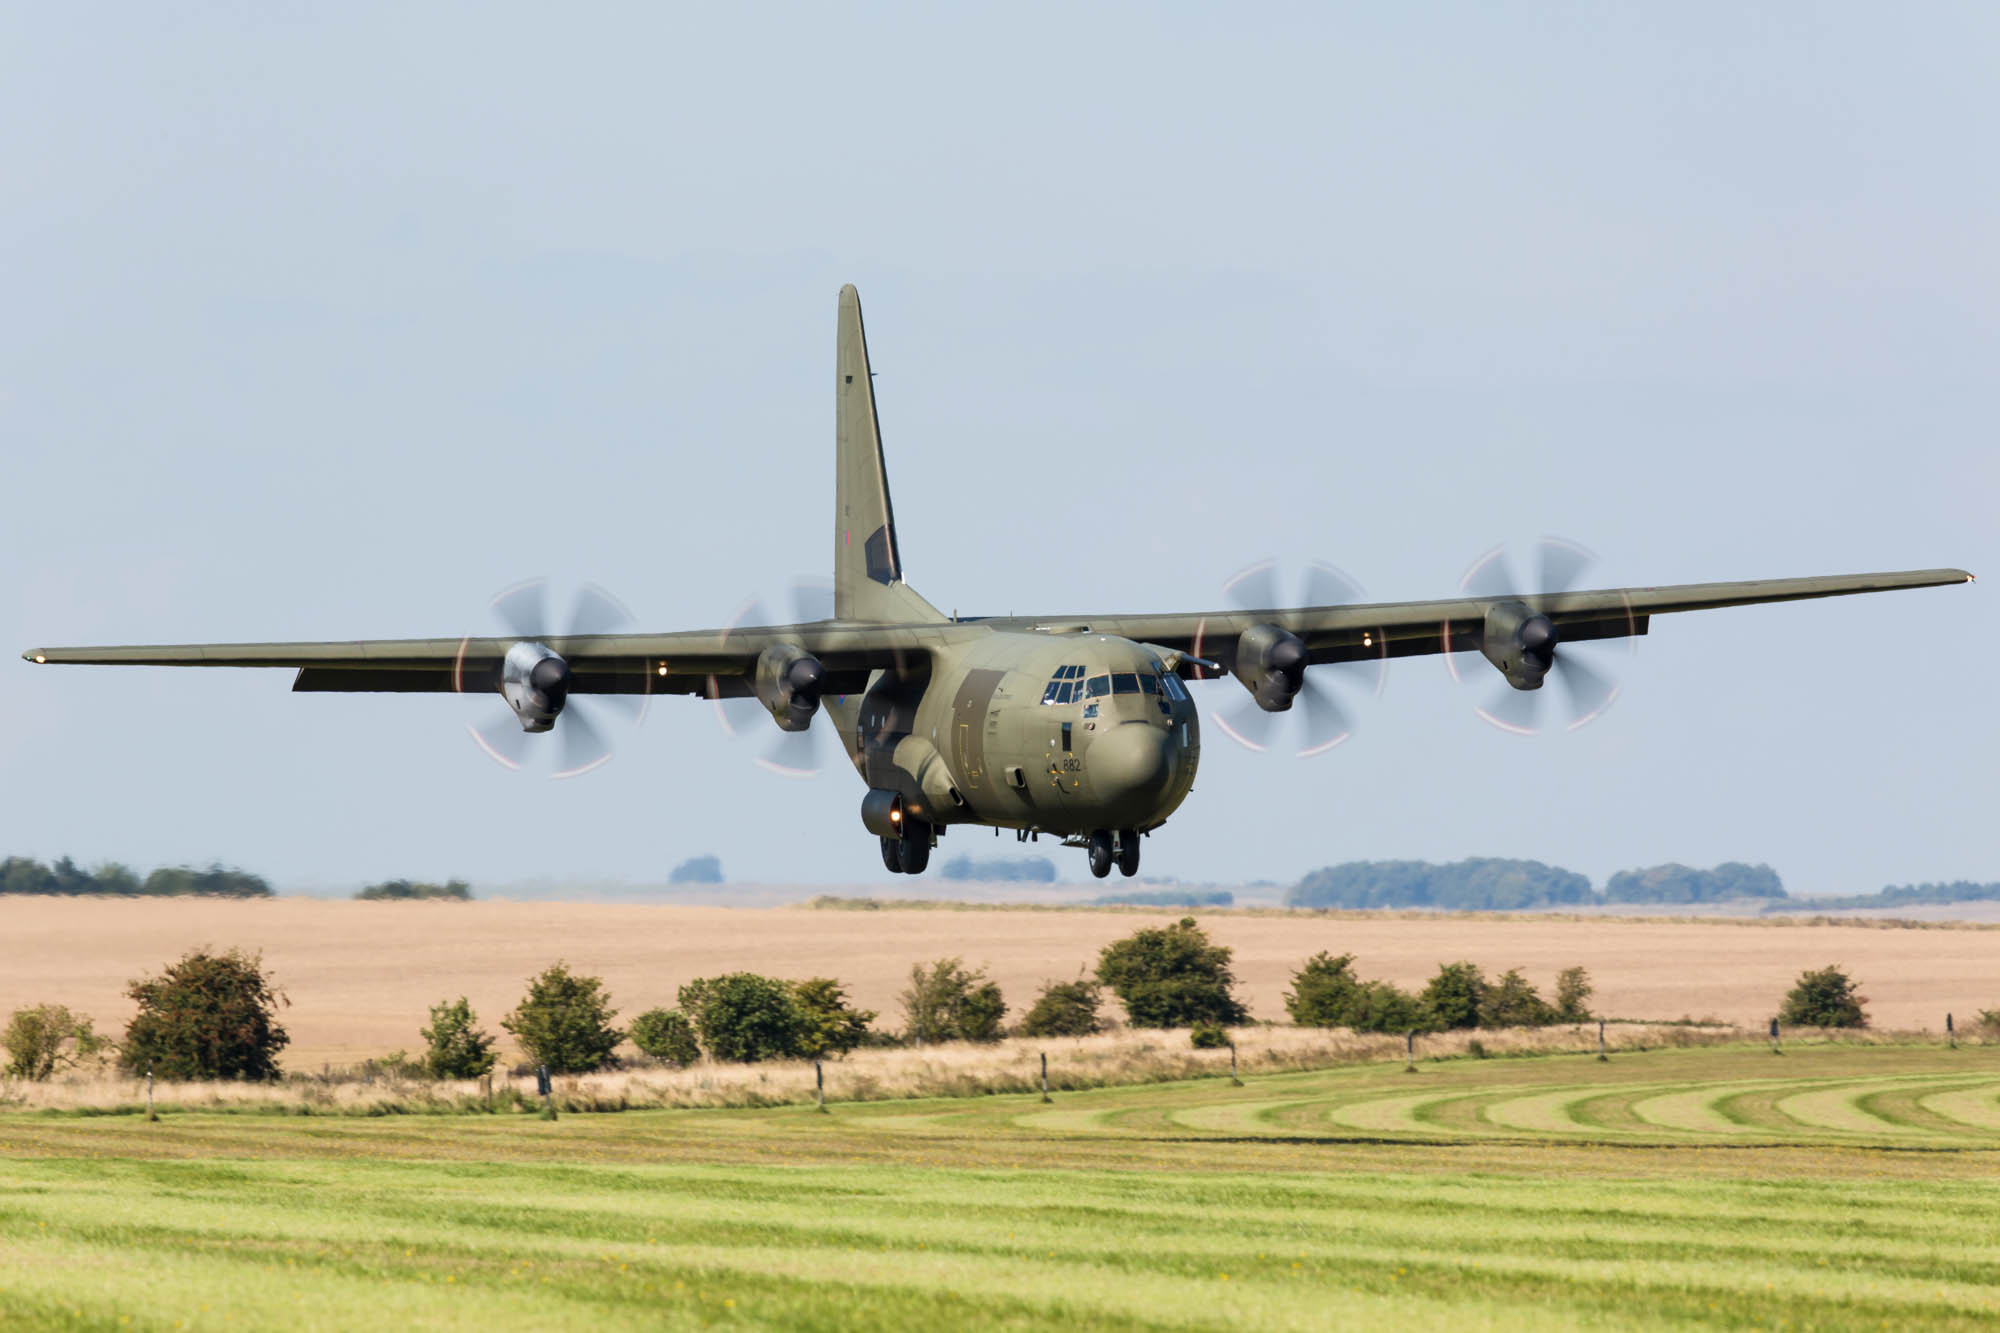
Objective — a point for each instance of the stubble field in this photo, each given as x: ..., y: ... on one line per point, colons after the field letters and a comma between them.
x: 361, y: 976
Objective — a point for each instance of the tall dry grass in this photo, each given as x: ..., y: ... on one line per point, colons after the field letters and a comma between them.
x: 953, y: 1069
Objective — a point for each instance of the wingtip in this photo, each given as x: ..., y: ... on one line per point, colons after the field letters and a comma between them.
x: 34, y: 655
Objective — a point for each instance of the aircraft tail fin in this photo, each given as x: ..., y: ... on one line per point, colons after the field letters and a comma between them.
x: 867, y: 561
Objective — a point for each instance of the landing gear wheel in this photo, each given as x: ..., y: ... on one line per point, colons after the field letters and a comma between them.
x: 892, y: 855
x: 1100, y: 853
x: 916, y: 852
x: 1128, y: 852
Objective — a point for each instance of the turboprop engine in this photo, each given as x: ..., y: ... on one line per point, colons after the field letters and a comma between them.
x: 788, y: 684
x: 534, y: 680
x: 1521, y: 644
x: 1271, y: 663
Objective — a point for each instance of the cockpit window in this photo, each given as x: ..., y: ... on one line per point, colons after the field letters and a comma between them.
x: 1150, y: 684
x: 1098, y: 686
x: 1066, y: 692
x: 1090, y: 710
x: 1049, y: 695
x: 1173, y: 687
x: 1124, y: 682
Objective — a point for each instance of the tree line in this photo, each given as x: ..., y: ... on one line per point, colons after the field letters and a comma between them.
x: 1497, y: 884
x: 21, y: 874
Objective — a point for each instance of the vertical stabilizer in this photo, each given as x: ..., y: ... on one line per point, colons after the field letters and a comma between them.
x: 867, y: 561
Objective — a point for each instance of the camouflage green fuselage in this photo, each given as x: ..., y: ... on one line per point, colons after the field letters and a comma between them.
x: 1056, y: 733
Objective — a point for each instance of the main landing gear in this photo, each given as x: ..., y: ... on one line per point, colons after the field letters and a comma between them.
x: 908, y: 855
x: 1123, y: 851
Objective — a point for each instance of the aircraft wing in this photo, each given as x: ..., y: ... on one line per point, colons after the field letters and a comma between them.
x: 703, y: 662
x: 1409, y: 629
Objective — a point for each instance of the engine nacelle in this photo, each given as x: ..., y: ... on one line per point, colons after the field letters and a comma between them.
x: 789, y: 681
x: 534, y: 680
x: 1271, y: 663
x: 1520, y: 643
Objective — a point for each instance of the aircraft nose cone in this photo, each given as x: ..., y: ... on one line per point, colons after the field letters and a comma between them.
x: 1130, y: 760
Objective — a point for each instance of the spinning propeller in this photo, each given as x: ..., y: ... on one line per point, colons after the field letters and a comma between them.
x: 792, y: 754
x: 1318, y: 720
x: 536, y: 683
x: 1588, y: 690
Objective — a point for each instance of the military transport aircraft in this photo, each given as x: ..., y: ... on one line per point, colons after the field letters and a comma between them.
x: 1076, y: 726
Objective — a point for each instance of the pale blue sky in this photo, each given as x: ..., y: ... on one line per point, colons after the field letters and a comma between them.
x: 330, y: 322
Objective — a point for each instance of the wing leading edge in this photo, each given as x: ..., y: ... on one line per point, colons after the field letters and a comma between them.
x: 1409, y: 629
x: 688, y: 663
x: 698, y: 662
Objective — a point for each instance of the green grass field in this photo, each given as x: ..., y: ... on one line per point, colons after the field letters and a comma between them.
x: 1833, y: 1187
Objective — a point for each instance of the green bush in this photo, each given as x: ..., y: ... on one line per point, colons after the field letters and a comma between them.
x: 1065, y: 1009
x: 1207, y: 1036
x: 1511, y: 1002
x: 1171, y: 976
x: 745, y: 1017
x: 45, y: 1039
x: 1451, y: 999
x: 1326, y: 994
x: 454, y: 1047
x: 564, y: 1022
x: 1573, y: 992
x: 666, y: 1034
x: 832, y: 1026
x: 1988, y: 1022
x: 946, y: 1002
x: 1827, y: 998
x: 210, y: 1015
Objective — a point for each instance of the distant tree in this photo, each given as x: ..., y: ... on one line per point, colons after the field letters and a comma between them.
x: 1168, y: 898
x: 744, y: 1017
x: 1065, y: 1009
x: 1452, y: 997
x: 1478, y: 884
x: 1000, y: 869
x: 1826, y: 998
x: 217, y: 881
x: 1573, y: 992
x: 831, y: 1025
x: 564, y: 1022
x: 454, y: 1046
x: 399, y: 889
x: 43, y: 1040
x: 391, y: 890
x: 947, y: 1002
x: 1511, y: 1002
x: 666, y: 1034
x: 1675, y: 883
x: 208, y: 1016
x: 21, y: 874
x: 697, y: 870
x: 1171, y: 976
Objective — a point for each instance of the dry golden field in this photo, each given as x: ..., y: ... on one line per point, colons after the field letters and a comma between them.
x: 362, y: 975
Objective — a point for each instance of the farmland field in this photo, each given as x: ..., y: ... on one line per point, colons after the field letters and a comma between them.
x: 1836, y: 1186
x: 361, y: 975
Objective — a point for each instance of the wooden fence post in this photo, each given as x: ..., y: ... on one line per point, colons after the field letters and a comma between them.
x: 819, y: 1086
x: 1774, y: 1038
x: 1045, y: 1075
x: 1950, y: 1036
x: 1410, y: 1051
x: 150, y: 1115
x: 1602, y: 1058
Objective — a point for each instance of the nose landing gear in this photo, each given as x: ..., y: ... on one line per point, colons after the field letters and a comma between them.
x: 1122, y: 852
